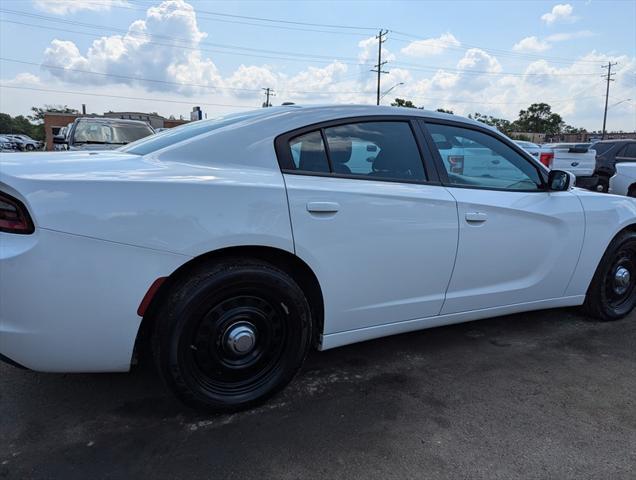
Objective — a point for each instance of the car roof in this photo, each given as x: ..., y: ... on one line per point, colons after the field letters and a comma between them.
x: 617, y: 140
x: 318, y: 113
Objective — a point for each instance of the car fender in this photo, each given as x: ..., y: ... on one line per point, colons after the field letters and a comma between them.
x: 605, y: 216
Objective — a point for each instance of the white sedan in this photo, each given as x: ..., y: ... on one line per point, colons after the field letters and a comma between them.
x: 623, y: 182
x: 231, y: 247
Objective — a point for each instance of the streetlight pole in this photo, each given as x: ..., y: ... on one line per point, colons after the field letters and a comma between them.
x: 389, y: 90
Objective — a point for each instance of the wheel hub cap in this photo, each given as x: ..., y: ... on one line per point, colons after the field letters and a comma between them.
x: 622, y: 279
x: 240, y: 339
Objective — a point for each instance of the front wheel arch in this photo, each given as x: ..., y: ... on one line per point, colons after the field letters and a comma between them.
x: 595, y: 301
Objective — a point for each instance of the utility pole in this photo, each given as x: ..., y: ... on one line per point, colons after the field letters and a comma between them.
x: 268, y: 93
x: 609, y: 79
x: 378, y: 68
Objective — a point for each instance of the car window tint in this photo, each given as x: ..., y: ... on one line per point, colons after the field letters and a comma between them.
x: 375, y: 150
x: 629, y: 151
x: 473, y: 158
x: 308, y: 153
x: 601, y: 148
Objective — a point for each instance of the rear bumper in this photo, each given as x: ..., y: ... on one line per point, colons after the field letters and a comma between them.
x: 69, y: 303
x: 589, y: 183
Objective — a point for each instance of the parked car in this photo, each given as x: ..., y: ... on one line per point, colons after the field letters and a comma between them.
x: 544, y: 155
x: 7, y: 144
x: 88, y: 133
x: 577, y: 158
x: 532, y: 148
x: 182, y: 243
x: 608, y: 154
x: 62, y: 134
x: 24, y: 142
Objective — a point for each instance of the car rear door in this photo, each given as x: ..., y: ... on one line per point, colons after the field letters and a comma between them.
x: 371, y: 221
x: 518, y: 242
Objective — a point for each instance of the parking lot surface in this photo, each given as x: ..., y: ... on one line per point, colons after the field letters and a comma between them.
x: 547, y: 394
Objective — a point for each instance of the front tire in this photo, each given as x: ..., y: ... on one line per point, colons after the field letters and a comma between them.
x: 612, y: 293
x: 232, y: 334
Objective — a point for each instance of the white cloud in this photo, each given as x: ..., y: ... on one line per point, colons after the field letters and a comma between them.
x: 66, y: 7
x: 561, y: 37
x: 561, y: 12
x: 478, y: 60
x: 133, y: 55
x: 369, y: 51
x: 431, y: 46
x: 477, y: 84
x: 531, y: 44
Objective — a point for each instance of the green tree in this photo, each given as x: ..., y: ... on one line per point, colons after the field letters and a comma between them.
x: 539, y: 118
x: 400, y: 102
x: 500, y: 124
x: 38, y: 112
x: 442, y: 110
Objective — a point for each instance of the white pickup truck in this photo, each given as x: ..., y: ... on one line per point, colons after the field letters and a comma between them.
x: 577, y: 158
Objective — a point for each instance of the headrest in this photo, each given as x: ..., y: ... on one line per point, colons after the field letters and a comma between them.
x: 340, y: 149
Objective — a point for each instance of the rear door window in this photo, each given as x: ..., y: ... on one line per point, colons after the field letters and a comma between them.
x: 375, y: 150
x: 378, y: 150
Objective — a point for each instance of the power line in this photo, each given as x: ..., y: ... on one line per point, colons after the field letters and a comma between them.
x: 302, y: 57
x: 268, y: 93
x: 417, y: 37
x: 609, y: 79
x: 166, y: 82
x: 199, y: 11
x: 93, y: 94
x: 378, y: 68
x: 496, y: 51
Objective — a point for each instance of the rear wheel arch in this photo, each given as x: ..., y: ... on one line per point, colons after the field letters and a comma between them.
x: 631, y: 191
x: 291, y: 264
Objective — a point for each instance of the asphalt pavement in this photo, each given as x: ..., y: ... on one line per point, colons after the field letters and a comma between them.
x: 543, y: 395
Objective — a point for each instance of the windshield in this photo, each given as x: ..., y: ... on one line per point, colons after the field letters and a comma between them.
x: 111, y: 133
x: 184, y: 132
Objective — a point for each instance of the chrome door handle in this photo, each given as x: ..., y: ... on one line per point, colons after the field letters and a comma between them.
x: 323, y: 207
x: 476, y: 217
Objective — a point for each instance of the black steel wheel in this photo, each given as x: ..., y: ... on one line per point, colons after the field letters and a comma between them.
x: 612, y: 293
x: 231, y: 335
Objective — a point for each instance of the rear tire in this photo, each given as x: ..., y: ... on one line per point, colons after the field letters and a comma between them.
x: 232, y: 334
x: 632, y: 191
x: 612, y: 292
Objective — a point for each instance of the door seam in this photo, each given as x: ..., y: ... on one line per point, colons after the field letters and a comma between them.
x: 456, y: 252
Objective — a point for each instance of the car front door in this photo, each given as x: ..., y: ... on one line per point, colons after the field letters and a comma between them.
x: 380, y: 235
x: 518, y: 242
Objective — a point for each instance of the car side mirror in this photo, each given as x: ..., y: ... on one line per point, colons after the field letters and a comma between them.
x: 58, y: 139
x: 561, y: 181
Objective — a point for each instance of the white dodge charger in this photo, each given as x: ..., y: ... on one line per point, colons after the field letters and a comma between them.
x: 232, y: 246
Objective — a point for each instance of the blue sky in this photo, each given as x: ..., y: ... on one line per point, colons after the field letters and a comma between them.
x: 491, y: 57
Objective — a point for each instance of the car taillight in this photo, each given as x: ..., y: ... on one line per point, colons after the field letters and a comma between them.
x: 14, y: 217
x: 546, y: 158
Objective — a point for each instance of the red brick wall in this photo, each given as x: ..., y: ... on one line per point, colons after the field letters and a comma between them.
x: 55, y: 120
